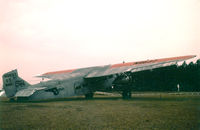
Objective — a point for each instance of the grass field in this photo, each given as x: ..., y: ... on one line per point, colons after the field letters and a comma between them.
x: 143, y: 111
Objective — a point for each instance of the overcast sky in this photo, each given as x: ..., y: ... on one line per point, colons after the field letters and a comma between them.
x: 38, y: 36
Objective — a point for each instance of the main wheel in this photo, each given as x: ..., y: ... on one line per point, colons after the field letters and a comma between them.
x: 89, y: 95
x: 126, y: 94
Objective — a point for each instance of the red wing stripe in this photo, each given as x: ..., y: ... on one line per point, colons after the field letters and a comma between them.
x: 129, y: 64
x: 152, y: 61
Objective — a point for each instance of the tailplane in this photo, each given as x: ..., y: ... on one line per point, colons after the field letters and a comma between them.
x: 13, y: 83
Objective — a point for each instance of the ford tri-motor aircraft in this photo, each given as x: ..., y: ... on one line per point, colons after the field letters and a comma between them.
x: 83, y: 81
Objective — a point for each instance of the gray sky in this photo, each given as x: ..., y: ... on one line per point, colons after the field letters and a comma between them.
x: 40, y: 36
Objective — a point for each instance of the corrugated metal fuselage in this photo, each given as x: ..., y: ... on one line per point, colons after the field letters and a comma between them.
x: 73, y: 86
x: 59, y: 89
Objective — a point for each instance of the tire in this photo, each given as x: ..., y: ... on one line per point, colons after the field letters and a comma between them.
x: 89, y: 95
x: 126, y: 94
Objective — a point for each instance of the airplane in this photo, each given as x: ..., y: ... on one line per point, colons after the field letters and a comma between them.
x: 82, y: 81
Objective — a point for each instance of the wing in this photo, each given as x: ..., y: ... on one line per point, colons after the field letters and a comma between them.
x: 102, y: 71
x: 138, y: 66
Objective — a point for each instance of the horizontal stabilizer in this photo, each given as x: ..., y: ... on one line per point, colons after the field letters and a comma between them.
x: 2, y: 93
x: 28, y: 92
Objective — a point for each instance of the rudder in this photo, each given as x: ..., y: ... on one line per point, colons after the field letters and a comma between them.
x: 13, y: 83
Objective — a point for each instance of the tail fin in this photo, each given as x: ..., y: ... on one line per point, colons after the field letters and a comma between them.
x: 13, y: 83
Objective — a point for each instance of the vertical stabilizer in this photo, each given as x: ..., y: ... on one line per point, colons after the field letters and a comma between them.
x: 13, y: 83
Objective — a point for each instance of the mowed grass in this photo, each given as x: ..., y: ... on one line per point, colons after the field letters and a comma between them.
x: 143, y: 111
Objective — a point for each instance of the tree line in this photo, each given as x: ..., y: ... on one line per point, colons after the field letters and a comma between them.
x: 186, y: 76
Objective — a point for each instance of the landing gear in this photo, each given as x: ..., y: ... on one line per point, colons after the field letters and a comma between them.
x: 89, y: 95
x: 124, y: 83
x: 126, y: 94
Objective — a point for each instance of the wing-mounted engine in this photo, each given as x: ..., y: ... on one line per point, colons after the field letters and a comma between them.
x: 123, y: 78
x: 123, y: 82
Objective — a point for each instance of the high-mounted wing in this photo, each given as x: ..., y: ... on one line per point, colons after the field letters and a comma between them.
x: 101, y: 71
x: 138, y: 66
